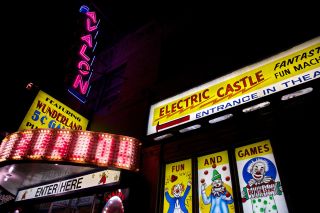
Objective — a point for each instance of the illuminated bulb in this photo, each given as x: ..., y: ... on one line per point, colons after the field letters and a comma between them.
x: 190, y: 128
x: 297, y: 93
x: 161, y: 137
x: 256, y: 107
x: 221, y: 118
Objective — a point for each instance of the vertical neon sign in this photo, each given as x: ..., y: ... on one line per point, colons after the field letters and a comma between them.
x: 81, y: 84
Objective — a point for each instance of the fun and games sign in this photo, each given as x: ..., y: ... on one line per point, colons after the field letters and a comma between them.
x: 81, y: 84
x: 260, y: 185
x: 288, y: 69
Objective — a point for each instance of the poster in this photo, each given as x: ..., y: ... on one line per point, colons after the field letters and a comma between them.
x: 178, y: 192
x: 215, y: 187
x: 260, y: 185
x: 47, y: 112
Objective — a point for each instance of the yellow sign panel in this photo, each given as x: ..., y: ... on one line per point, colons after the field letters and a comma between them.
x: 215, y: 187
x: 253, y: 150
x: 259, y: 180
x: 178, y: 193
x: 47, y: 112
x: 288, y: 69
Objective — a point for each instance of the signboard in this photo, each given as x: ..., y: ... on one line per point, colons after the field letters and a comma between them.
x: 81, y: 84
x: 81, y: 147
x: 215, y: 188
x: 260, y: 184
x: 296, y: 66
x: 105, y: 177
x: 47, y: 112
x: 178, y: 193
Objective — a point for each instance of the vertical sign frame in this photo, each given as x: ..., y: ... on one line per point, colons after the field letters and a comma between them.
x: 259, y: 181
x: 178, y: 187
x: 215, y: 193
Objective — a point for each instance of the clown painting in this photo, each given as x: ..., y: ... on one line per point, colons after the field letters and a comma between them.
x: 219, y: 198
x: 177, y: 202
x: 261, y: 189
x: 177, y: 193
x: 215, y: 188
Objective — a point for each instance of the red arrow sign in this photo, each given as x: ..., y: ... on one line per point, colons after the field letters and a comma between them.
x: 172, y: 123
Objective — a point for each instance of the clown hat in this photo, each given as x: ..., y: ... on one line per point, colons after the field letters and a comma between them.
x: 215, y: 175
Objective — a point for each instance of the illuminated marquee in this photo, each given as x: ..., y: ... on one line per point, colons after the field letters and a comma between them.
x: 291, y: 68
x: 81, y: 84
x: 72, y: 146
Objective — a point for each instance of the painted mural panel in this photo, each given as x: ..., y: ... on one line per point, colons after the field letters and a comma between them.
x: 260, y: 184
x: 178, y: 193
x: 215, y: 187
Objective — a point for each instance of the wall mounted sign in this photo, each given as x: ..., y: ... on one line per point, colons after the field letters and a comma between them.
x: 106, y: 177
x: 260, y: 184
x: 178, y: 193
x: 65, y: 146
x: 283, y: 71
x: 81, y: 84
x: 47, y: 112
x: 215, y: 187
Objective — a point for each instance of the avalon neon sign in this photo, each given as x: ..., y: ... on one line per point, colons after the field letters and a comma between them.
x: 81, y: 84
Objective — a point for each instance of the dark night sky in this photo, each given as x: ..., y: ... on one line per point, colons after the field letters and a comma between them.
x: 39, y: 45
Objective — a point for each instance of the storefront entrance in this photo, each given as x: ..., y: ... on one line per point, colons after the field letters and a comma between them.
x: 111, y: 201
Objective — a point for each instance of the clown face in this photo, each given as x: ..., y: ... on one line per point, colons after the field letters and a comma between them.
x: 177, y: 190
x: 258, y: 171
x: 217, y: 187
x: 217, y: 183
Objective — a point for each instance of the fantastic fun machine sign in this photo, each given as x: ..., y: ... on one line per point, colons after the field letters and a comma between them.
x: 178, y: 193
x: 215, y: 188
x: 47, y: 112
x: 283, y: 71
x: 106, y: 177
x: 260, y: 184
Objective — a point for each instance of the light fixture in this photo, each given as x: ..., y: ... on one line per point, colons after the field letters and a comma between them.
x: 297, y: 93
x: 11, y: 169
x: 29, y: 86
x: 255, y: 107
x: 187, y: 129
x: 161, y: 137
x: 221, y: 118
x: 6, y: 177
